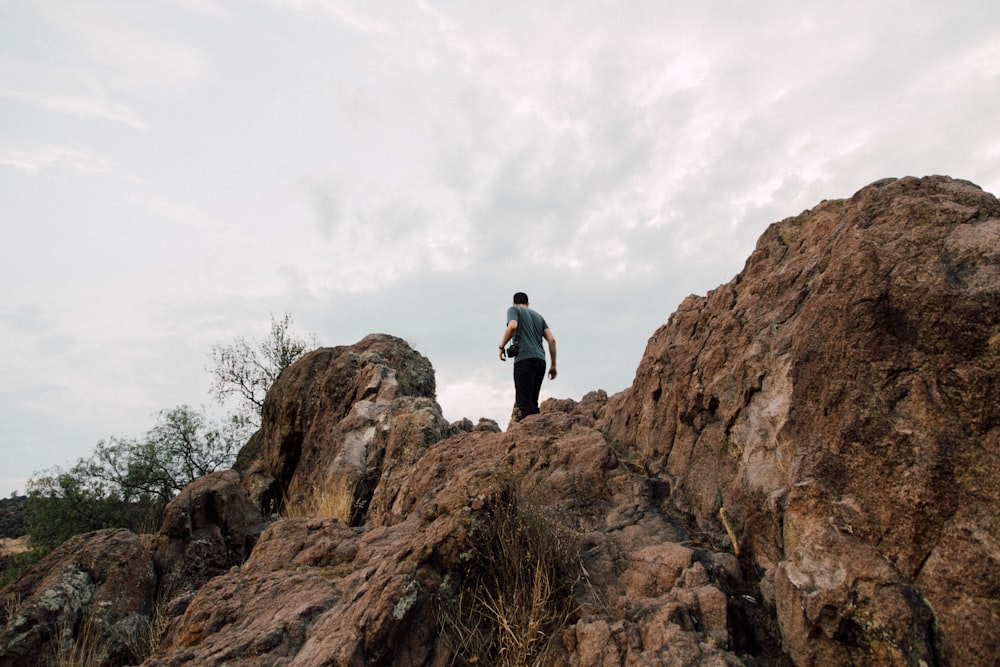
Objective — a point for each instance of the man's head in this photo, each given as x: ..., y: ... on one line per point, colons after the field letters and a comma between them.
x: 520, y: 299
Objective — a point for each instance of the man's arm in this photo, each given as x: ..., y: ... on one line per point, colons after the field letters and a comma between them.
x: 551, y: 340
x: 508, y: 333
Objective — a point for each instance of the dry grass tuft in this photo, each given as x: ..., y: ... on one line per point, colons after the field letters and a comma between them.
x: 518, y: 591
x: 146, y: 638
x: 86, y: 645
x: 633, y: 460
x: 11, y: 607
x: 339, y: 502
x: 75, y: 649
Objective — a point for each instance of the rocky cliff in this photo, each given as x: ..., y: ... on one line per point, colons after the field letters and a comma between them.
x: 841, y: 393
x: 802, y: 473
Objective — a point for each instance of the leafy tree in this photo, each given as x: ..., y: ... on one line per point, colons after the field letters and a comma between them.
x: 246, y: 370
x: 63, y: 503
x: 182, y: 447
x: 127, y: 482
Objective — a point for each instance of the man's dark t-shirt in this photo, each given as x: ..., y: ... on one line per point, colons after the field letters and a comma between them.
x: 531, y: 328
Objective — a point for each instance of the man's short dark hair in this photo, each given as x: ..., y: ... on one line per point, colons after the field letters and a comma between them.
x: 521, y: 299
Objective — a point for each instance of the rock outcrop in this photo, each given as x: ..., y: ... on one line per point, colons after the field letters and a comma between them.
x: 841, y: 392
x: 317, y: 591
x: 96, y: 588
x: 100, y: 598
x: 339, y: 421
x: 802, y: 473
x: 210, y: 527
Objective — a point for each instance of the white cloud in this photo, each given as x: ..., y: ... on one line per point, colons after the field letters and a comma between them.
x: 470, y: 397
x: 344, y: 12
x: 128, y: 41
x: 405, y: 168
x: 84, y: 107
x: 53, y: 157
x: 184, y: 215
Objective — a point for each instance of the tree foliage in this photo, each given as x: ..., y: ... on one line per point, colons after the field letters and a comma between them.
x: 245, y: 370
x: 126, y: 483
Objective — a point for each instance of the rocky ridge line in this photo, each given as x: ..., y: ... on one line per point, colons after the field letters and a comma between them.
x: 835, y: 396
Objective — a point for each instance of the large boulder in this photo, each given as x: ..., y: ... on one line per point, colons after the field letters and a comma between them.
x: 800, y: 474
x: 339, y: 420
x: 209, y: 527
x: 840, y: 394
x: 102, y: 598
x: 87, y: 602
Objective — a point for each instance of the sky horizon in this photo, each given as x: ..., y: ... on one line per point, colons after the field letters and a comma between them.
x: 174, y: 173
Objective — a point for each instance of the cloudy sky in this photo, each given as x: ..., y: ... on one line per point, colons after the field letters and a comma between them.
x: 174, y: 172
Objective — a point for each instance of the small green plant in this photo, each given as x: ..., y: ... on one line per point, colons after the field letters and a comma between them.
x: 518, y: 591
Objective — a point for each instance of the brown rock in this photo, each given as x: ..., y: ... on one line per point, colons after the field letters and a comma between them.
x: 389, y: 592
x: 654, y: 570
x: 835, y: 396
x: 854, y: 354
x: 325, y: 593
x: 208, y: 528
x: 833, y: 586
x: 261, y: 620
x: 329, y: 421
x: 89, y: 600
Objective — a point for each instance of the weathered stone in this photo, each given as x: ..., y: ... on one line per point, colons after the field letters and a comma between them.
x: 91, y: 597
x: 326, y: 423
x: 835, y: 398
x: 855, y: 354
x: 208, y: 528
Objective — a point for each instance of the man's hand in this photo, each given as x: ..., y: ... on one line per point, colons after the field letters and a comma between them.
x: 507, y: 335
x: 551, y: 340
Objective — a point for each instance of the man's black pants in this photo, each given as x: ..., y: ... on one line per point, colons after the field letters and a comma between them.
x: 528, y: 376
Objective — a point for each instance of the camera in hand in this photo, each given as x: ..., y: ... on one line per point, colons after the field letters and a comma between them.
x: 513, y: 350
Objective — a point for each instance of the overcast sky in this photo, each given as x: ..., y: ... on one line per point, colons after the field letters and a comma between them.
x: 172, y: 173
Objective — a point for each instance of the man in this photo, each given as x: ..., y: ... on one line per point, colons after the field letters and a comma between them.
x: 529, y: 366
